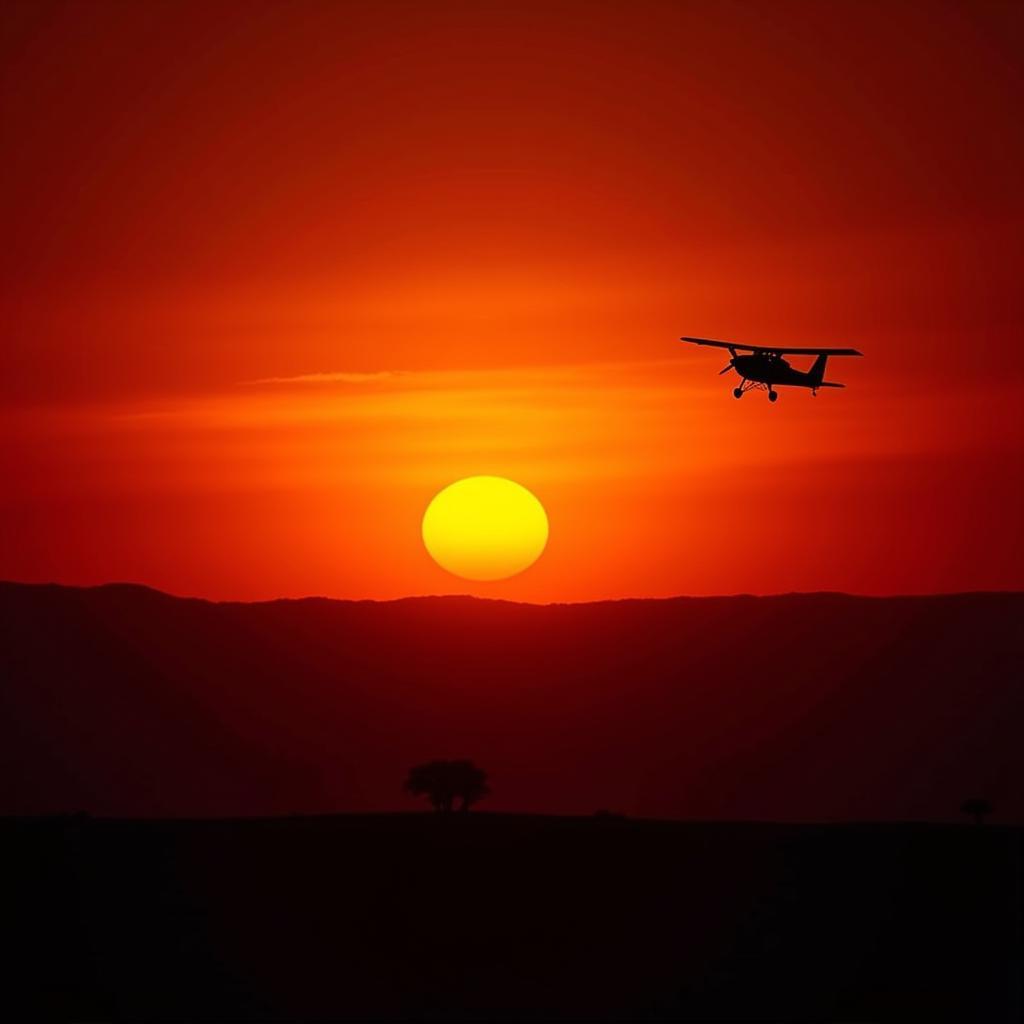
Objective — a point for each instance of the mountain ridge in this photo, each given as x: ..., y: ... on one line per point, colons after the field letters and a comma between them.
x: 126, y: 701
x: 128, y: 586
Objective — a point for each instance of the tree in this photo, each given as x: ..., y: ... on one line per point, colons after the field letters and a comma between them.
x: 977, y: 808
x: 444, y: 782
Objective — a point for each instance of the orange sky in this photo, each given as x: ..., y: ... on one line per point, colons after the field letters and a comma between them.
x: 274, y: 274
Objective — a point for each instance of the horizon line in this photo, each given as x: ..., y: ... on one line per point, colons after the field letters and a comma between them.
x: 739, y: 595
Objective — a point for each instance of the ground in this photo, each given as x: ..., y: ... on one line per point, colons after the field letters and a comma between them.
x: 511, y: 917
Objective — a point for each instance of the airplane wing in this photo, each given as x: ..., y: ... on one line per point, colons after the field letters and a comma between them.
x: 776, y: 351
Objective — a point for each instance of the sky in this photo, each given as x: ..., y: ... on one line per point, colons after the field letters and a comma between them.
x: 273, y: 275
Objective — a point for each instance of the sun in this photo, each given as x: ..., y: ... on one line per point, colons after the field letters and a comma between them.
x: 485, y: 528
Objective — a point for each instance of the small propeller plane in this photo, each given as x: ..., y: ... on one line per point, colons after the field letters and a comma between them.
x: 764, y: 368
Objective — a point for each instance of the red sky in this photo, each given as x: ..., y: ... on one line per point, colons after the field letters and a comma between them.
x: 274, y: 274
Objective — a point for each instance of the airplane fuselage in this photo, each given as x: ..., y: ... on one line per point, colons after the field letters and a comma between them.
x: 772, y: 370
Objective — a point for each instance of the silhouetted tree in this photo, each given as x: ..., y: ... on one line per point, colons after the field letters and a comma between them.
x: 444, y: 782
x: 977, y: 808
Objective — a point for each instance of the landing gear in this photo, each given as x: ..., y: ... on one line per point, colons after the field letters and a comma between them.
x: 755, y: 385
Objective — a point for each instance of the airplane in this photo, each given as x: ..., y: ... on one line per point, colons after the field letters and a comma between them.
x: 765, y: 369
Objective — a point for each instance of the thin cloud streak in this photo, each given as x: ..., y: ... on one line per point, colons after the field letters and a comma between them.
x: 472, y: 376
x: 334, y: 377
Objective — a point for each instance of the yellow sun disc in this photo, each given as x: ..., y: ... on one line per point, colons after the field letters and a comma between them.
x: 485, y: 528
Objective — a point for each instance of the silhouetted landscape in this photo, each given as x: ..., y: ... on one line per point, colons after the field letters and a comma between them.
x: 175, y: 768
x: 123, y: 701
x: 512, y: 917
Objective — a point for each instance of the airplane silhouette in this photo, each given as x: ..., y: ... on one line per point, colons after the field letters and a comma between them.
x: 765, y: 369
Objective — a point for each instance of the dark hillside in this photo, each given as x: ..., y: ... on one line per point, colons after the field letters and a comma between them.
x: 120, y: 700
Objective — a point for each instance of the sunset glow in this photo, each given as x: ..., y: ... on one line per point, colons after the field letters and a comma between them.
x: 270, y: 280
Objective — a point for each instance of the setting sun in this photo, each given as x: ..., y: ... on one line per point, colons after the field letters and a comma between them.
x: 485, y: 528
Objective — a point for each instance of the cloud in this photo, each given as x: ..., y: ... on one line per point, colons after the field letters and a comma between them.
x: 552, y: 374
x: 335, y: 377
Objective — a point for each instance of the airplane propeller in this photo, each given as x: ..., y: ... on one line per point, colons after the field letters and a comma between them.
x: 728, y: 367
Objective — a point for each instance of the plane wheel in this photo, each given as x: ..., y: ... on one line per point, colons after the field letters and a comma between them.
x: 773, y: 396
x: 737, y: 392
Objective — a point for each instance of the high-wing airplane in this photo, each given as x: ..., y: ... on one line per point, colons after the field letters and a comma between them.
x: 765, y: 369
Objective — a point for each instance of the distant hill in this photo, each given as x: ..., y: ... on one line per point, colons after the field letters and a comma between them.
x: 121, y: 700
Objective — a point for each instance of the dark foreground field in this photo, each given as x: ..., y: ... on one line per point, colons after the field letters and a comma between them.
x: 409, y: 916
